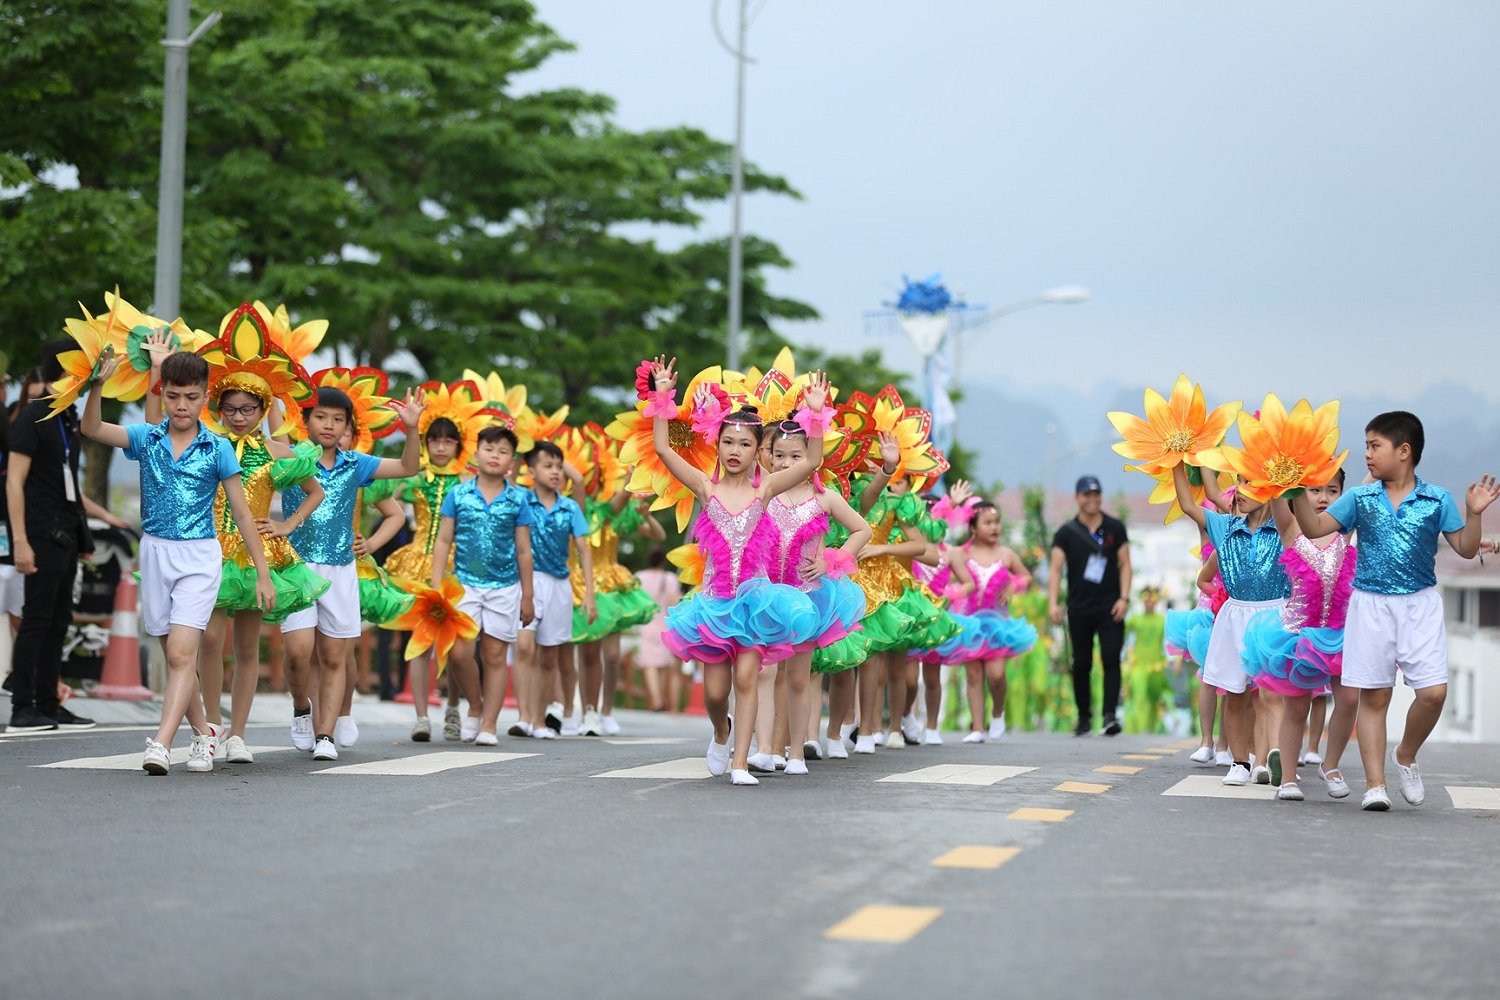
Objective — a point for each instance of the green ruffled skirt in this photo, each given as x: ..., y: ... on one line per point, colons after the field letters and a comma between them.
x: 297, y: 587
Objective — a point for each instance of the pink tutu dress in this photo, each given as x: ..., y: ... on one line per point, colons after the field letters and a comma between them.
x: 840, y: 604
x: 1295, y: 651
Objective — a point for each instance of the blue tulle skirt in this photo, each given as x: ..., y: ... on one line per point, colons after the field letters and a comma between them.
x: 840, y: 605
x: 1291, y: 663
x: 1187, y: 634
x: 768, y: 618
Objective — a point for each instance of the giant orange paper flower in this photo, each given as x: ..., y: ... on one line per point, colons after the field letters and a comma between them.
x: 609, y: 472
x: 633, y: 430
x: 297, y: 343
x: 1174, y: 430
x: 865, y: 416
x: 435, y: 622
x: 1281, y: 450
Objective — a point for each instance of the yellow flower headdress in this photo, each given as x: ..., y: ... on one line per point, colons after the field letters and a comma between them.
x: 296, y: 343
x: 866, y: 417
x: 366, y: 388
x: 463, y: 404
x: 244, y: 359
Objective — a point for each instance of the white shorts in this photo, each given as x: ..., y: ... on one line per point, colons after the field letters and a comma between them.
x: 12, y: 591
x: 1386, y: 631
x: 554, y: 610
x: 179, y: 582
x: 336, y: 613
x: 496, y: 610
x: 1226, y: 644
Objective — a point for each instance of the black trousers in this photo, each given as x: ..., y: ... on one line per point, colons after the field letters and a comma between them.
x: 45, y: 617
x: 1083, y: 628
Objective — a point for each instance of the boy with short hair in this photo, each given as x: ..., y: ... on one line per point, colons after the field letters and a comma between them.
x: 486, y: 525
x: 182, y: 466
x: 325, y: 540
x: 1395, y: 617
x: 557, y: 522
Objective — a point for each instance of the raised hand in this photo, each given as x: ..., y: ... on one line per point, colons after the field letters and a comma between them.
x: 960, y: 492
x: 816, y: 393
x: 664, y: 373
x: 158, y: 346
x: 1482, y: 494
x: 410, y: 408
x: 108, y: 362
x: 890, y: 450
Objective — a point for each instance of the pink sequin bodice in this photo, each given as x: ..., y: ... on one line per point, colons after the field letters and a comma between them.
x: 800, y: 529
x: 737, y: 547
x: 989, y: 583
x: 1322, y: 579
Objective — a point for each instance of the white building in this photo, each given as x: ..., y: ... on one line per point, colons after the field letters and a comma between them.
x: 1471, y: 604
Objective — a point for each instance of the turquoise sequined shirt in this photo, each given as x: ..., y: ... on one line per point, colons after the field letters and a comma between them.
x: 327, y: 536
x: 1249, y: 561
x: 484, y: 534
x: 551, y: 531
x: 1397, y: 546
x: 177, y: 494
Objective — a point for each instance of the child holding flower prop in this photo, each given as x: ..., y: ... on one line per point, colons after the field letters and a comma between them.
x: 1174, y: 429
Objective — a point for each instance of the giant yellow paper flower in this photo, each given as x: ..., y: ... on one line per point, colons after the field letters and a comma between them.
x: 512, y: 399
x: 1174, y: 430
x: 78, y: 367
x: 435, y: 622
x: 1165, y: 491
x: 296, y: 342
x: 126, y: 328
x: 633, y: 430
x: 690, y: 561
x: 1281, y: 450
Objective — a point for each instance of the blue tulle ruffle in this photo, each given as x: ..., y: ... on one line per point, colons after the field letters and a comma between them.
x: 771, y: 619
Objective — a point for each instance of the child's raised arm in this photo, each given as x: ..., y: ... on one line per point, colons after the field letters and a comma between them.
x: 664, y: 380
x: 1478, y: 499
x: 410, y: 462
x: 813, y: 398
x: 890, y: 455
x: 1311, y: 523
x: 1185, y: 499
x: 92, y: 423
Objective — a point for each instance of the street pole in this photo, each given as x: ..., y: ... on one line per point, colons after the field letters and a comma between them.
x: 736, y: 237
x: 167, y: 301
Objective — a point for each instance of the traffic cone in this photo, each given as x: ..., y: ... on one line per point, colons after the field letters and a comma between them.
x: 121, y: 678
x: 695, y: 704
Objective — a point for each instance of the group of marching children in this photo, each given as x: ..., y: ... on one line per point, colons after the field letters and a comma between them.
x: 1309, y: 590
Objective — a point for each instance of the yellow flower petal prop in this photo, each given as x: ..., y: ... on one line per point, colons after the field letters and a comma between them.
x: 1165, y: 492
x: 1175, y: 428
x: 124, y: 327
x: 633, y: 430
x: 246, y: 359
x: 866, y: 417
x: 511, y: 399
x: 609, y: 472
x: 78, y: 367
x: 690, y: 563
x: 296, y: 343
x: 464, y: 404
x: 1282, y: 450
x: 435, y: 622
x: 366, y: 387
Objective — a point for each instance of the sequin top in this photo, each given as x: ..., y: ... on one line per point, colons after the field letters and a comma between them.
x: 1397, y: 547
x: 801, y: 528
x: 256, y: 475
x: 552, y: 531
x: 1249, y: 561
x: 989, y: 586
x: 327, y: 536
x: 1315, y: 573
x: 737, y: 547
x: 177, y: 494
x: 484, y: 534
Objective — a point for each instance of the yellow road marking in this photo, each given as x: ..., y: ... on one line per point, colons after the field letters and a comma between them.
x: 1041, y: 815
x: 1082, y: 787
x: 1139, y: 756
x: 976, y: 856
x: 1118, y: 769
x: 1164, y: 750
x: 891, y: 924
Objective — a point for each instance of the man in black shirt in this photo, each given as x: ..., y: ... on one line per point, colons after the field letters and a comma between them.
x: 1096, y: 551
x: 48, y: 530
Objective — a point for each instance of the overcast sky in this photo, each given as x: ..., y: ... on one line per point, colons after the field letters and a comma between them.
x: 1272, y: 195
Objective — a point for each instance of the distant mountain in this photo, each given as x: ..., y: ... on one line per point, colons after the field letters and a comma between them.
x: 1056, y: 434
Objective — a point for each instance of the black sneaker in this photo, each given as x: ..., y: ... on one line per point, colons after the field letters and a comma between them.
x: 1112, y: 728
x: 1082, y: 729
x: 26, y: 720
x: 67, y: 720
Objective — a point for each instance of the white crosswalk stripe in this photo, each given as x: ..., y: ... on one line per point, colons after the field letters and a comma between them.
x: 427, y: 763
x: 1211, y: 786
x: 959, y: 774
x: 684, y: 769
x: 1472, y: 797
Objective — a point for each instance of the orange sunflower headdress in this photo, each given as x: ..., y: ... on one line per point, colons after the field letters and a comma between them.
x: 1281, y: 450
x: 463, y: 403
x: 244, y: 359
x: 866, y: 417
x: 366, y: 388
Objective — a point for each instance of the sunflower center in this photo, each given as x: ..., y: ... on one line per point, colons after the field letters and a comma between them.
x: 679, y: 434
x: 1283, y: 471
x: 1178, y: 441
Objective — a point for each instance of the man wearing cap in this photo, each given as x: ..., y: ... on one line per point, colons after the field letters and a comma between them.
x: 1096, y: 550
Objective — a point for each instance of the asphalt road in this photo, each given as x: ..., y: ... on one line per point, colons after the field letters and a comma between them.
x: 536, y: 876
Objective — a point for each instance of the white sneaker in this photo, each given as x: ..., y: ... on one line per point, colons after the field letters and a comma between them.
x: 217, y: 735
x: 837, y: 750
x: 485, y: 740
x: 796, y: 767
x: 421, y: 730
x: 895, y: 740
x: 879, y: 739
x: 544, y: 733
x: 865, y: 744
x: 762, y: 763
x: 911, y: 729
x: 235, y: 751
x: 611, y: 727
x: 302, y: 733
x: 718, y: 753
x: 157, y: 760
x: 555, y: 715
x: 933, y: 738
x: 325, y: 750
x: 1376, y: 800
x: 569, y: 728
x: 997, y: 728
x: 468, y: 731
x: 812, y: 750
x: 1223, y: 758
x: 201, y: 753
x: 1289, y: 792
x: 1203, y: 755
x: 346, y: 731
x: 1409, y: 780
x: 1238, y: 775
x: 1338, y: 788
x: 743, y: 778
x: 1260, y: 775
x: 1311, y: 757
x: 593, y: 723
x: 974, y: 736
x: 846, y: 734
x: 778, y: 762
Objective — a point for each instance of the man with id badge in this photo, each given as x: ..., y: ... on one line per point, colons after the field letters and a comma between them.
x: 1096, y: 552
x: 48, y: 531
